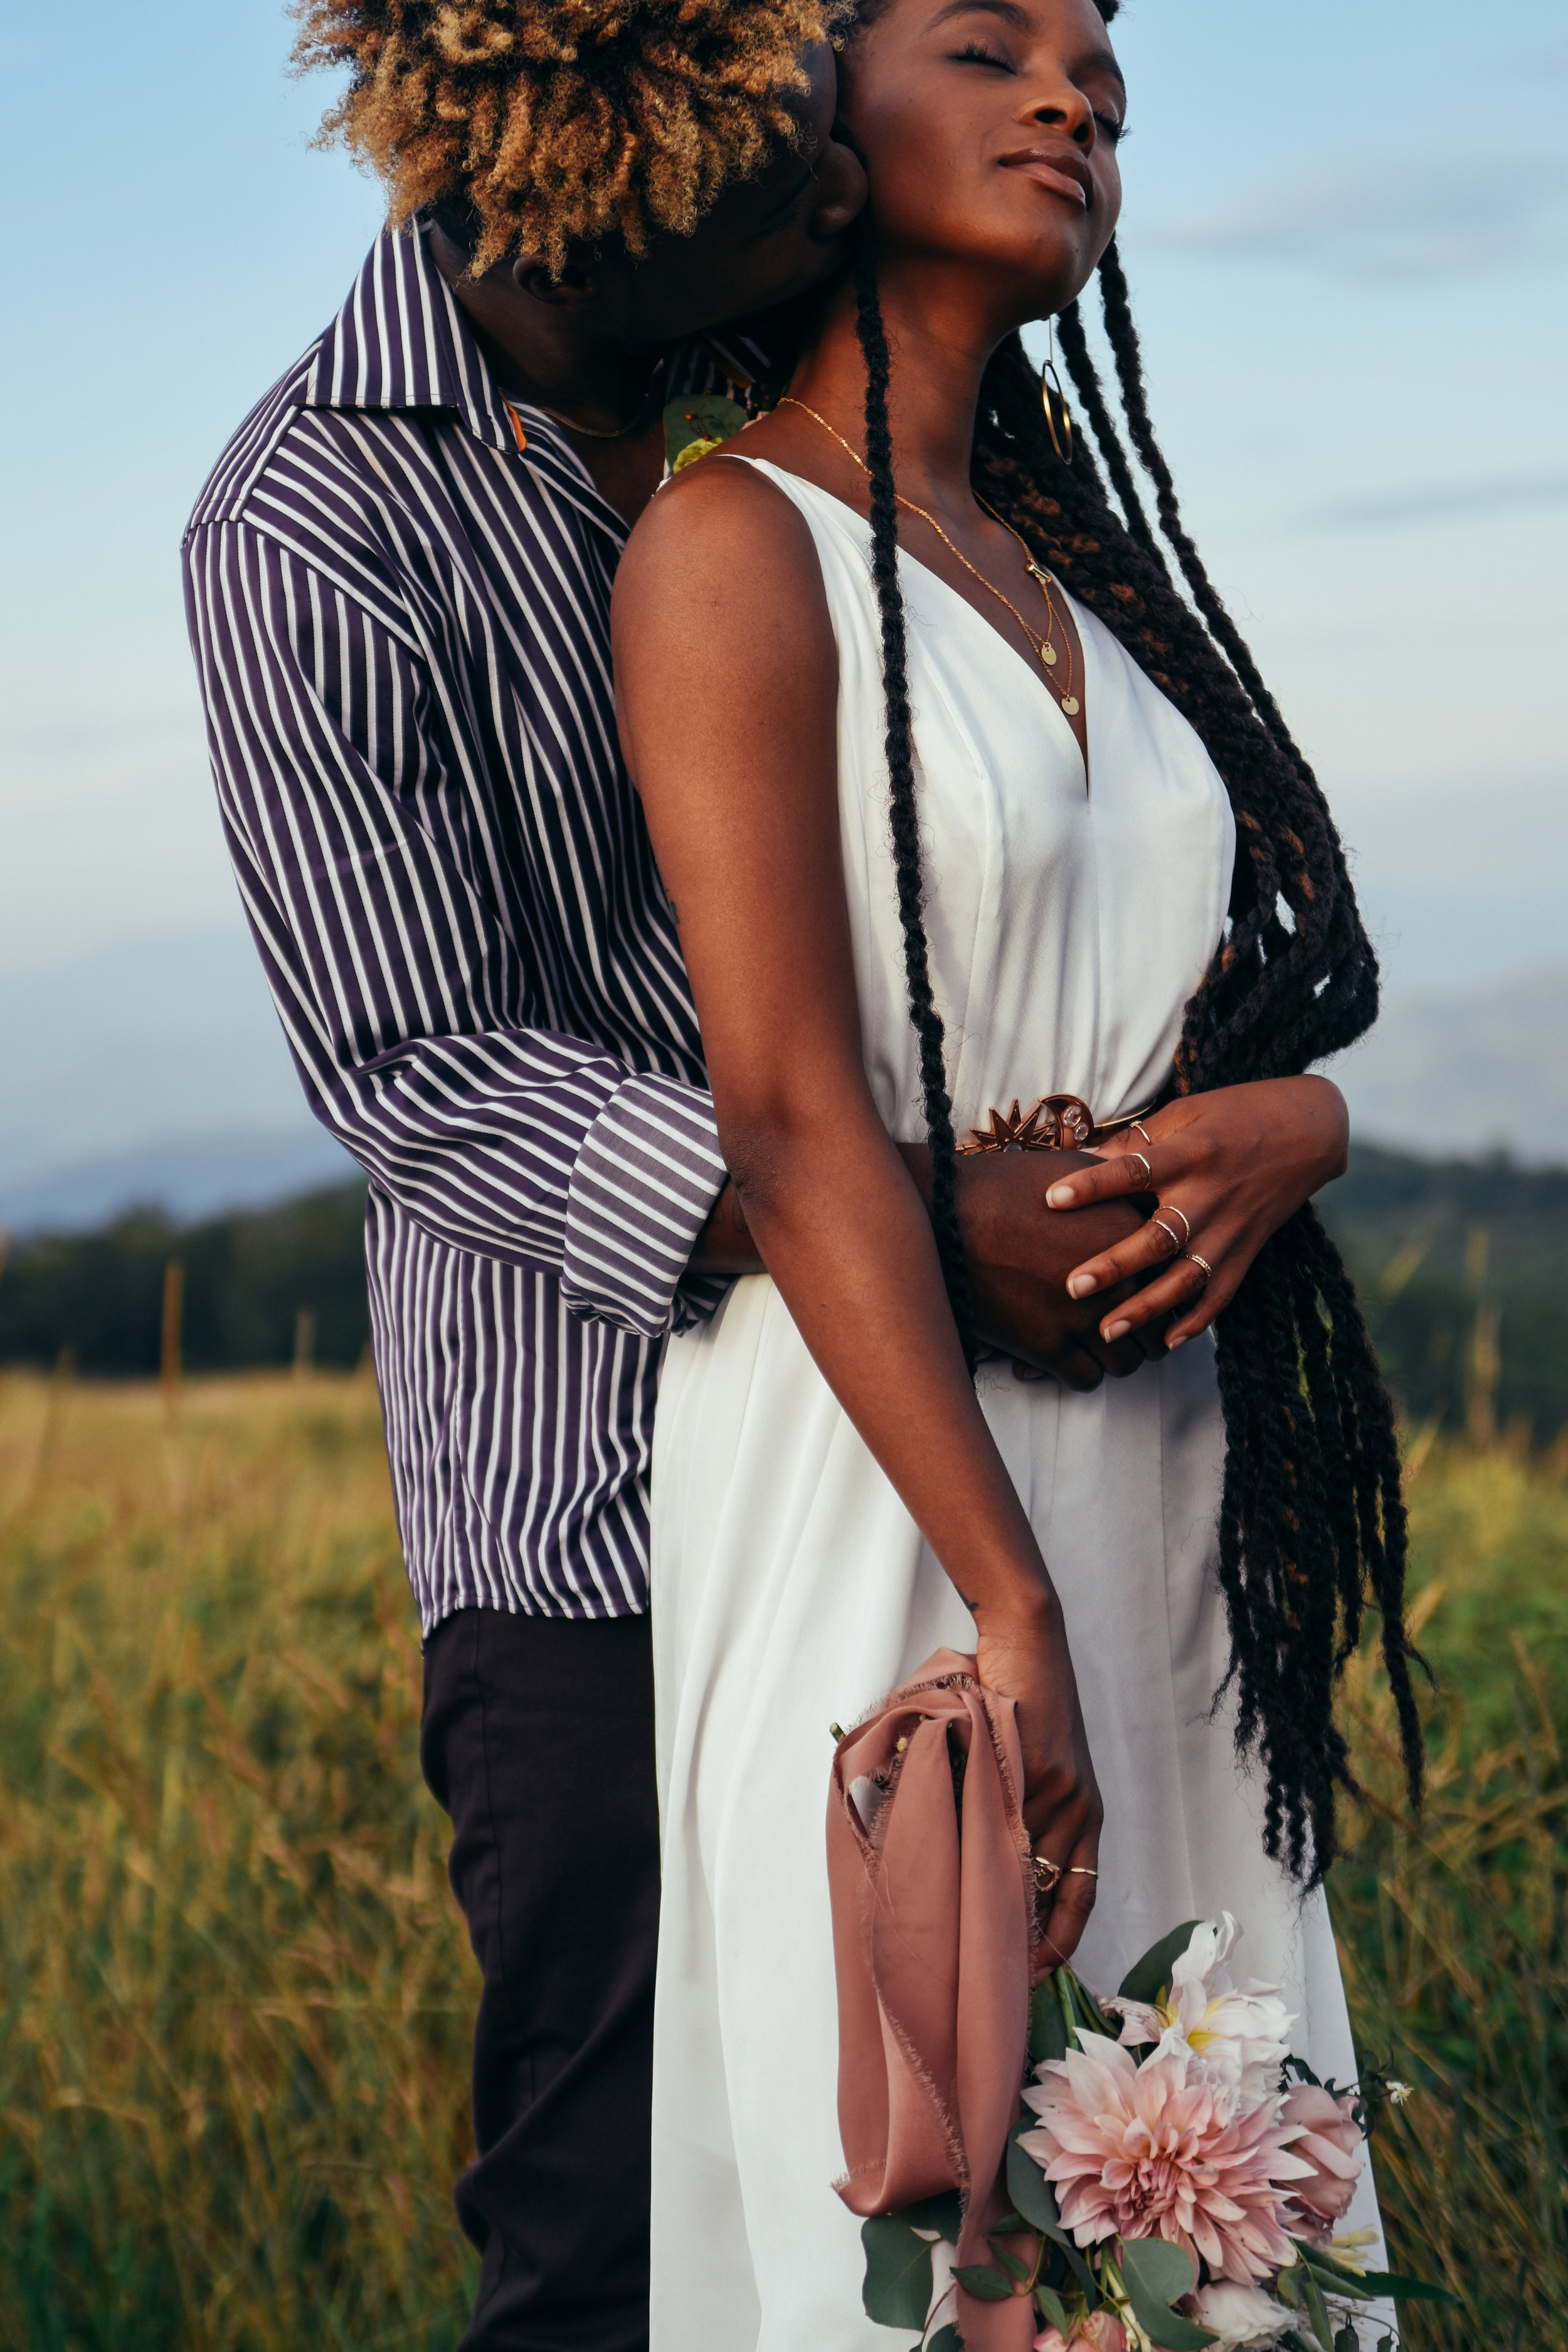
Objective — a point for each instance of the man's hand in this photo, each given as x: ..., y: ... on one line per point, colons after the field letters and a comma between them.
x: 1020, y: 1254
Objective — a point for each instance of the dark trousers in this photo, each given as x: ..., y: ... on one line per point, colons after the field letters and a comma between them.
x: 537, y: 1738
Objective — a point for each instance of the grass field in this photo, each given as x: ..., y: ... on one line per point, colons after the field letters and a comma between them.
x: 234, y: 1996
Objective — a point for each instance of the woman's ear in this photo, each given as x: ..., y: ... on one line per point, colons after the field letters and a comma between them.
x: 841, y: 188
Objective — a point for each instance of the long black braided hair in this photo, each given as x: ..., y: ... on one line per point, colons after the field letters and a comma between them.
x: 1313, y: 1520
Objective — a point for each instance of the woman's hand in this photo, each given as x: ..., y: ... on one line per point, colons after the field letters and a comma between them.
x: 1228, y: 1168
x: 1026, y: 1658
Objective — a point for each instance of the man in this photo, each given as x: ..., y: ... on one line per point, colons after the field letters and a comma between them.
x: 398, y: 587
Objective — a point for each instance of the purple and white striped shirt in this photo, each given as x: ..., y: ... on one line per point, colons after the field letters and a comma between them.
x: 402, y: 626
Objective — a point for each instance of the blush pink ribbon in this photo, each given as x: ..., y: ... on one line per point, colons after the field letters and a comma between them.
x: 930, y: 1876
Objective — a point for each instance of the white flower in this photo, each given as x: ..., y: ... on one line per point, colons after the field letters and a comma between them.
x: 1239, y: 2315
x: 1398, y: 2092
x: 1236, y: 2035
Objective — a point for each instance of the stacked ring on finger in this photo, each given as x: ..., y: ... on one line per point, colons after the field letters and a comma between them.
x: 1177, y: 1244
x: 1148, y: 1172
x: 1205, y: 1268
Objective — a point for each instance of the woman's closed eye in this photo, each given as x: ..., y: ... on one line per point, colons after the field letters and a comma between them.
x: 975, y: 53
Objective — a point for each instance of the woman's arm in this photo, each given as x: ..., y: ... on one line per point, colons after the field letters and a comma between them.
x: 1231, y: 1166
x: 727, y: 677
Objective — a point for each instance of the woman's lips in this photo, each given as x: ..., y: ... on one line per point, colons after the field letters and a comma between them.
x: 1048, y: 176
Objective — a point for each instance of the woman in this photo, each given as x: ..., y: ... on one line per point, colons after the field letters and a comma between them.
x: 894, y: 593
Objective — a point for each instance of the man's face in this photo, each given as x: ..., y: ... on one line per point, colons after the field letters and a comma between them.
x: 765, y: 242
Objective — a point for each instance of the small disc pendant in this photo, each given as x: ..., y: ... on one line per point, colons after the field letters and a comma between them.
x: 1049, y: 655
x: 1070, y: 705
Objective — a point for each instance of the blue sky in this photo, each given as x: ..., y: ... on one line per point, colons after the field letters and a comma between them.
x: 1347, y: 231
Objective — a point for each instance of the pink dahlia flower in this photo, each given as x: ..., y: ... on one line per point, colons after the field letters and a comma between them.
x: 1100, y: 2331
x: 1157, y: 2152
x: 1328, y: 2143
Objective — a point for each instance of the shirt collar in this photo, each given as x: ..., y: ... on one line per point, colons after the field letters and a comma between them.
x: 401, y: 340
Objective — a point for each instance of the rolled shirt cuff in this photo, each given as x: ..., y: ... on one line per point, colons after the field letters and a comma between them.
x: 645, y: 1176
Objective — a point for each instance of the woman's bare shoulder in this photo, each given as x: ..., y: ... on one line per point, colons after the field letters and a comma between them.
x: 721, y: 528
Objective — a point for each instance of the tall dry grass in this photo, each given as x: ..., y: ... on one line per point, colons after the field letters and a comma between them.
x: 1451, y: 1930
x: 234, y: 1997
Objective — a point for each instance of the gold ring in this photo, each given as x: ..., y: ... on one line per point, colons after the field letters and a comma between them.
x: 1049, y: 1875
x: 1176, y: 1249
x: 1148, y: 1172
x: 1196, y: 1260
x: 1186, y: 1223
x: 1139, y: 1129
x: 1079, y: 1870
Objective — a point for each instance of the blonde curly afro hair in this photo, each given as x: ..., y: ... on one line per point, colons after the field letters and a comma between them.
x: 562, y: 122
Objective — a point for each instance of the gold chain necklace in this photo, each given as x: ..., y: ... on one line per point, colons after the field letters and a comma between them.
x: 1044, y: 649
x: 591, y: 432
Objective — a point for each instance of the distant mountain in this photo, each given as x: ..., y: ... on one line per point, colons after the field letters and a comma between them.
x: 156, y: 1073
x: 1463, y: 1075
x: 152, y: 1072
x: 189, y: 1176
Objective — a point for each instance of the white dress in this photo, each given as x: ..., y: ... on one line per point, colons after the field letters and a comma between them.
x: 791, y: 1590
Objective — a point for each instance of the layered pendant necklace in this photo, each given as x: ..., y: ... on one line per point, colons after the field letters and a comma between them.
x: 1044, y: 648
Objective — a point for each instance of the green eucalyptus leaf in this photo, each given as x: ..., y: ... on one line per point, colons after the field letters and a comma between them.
x: 1408, y: 2290
x: 984, y: 2282
x: 1016, y: 2270
x: 1036, y: 2199
x: 1048, y: 2027
x: 1156, y: 2275
x: 1053, y: 2308
x: 898, y: 2288
x: 946, y: 2339
x: 1318, y: 2313
x: 940, y: 2213
x: 1287, y: 2286
x: 1031, y: 2192
x: 1335, y: 2273
x: 1157, y: 2267
x: 1087, y: 2009
x: 1147, y: 1978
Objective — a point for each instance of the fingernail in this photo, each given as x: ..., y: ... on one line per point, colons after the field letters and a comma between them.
x: 1172, y: 1345
x: 1116, y: 1331
x: 1080, y: 1285
x: 1061, y: 1196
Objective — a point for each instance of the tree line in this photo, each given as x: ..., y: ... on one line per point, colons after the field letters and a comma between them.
x: 1463, y: 1267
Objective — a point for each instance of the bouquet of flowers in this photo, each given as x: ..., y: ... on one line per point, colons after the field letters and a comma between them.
x: 1176, y: 2178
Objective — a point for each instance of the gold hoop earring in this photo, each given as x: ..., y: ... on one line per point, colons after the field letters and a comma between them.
x: 1053, y: 400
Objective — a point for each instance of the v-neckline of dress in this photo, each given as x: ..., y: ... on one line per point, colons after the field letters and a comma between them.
x: 1030, y: 669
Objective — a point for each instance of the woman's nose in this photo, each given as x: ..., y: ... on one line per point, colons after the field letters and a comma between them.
x: 1066, y: 108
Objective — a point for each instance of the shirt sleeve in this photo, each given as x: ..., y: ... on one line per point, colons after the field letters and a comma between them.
x: 362, y: 860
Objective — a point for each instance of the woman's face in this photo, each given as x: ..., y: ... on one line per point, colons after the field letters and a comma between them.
x: 990, y: 129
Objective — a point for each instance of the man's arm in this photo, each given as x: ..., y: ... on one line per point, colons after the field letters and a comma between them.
x: 362, y: 863
x: 1020, y: 1254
